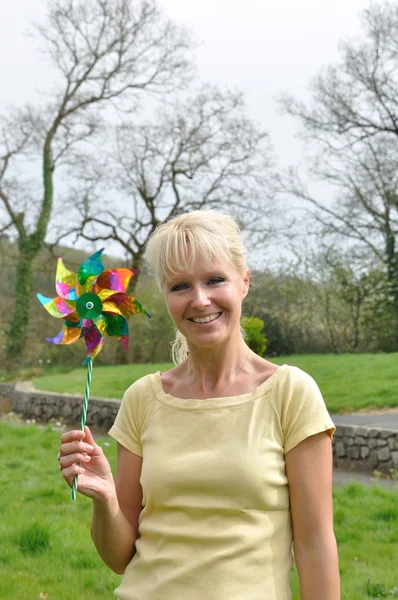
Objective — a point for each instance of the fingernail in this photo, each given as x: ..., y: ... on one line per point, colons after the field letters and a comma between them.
x: 90, y: 448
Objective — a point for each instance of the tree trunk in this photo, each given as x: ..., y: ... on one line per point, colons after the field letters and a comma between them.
x: 18, y: 326
x: 29, y: 247
x: 136, y: 263
x: 392, y: 274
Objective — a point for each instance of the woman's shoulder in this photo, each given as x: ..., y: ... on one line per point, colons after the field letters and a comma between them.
x: 292, y: 384
x: 262, y: 370
x: 142, y: 386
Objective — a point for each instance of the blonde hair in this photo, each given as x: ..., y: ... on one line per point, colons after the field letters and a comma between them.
x: 176, y: 245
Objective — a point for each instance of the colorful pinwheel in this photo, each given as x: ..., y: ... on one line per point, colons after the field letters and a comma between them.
x: 93, y: 303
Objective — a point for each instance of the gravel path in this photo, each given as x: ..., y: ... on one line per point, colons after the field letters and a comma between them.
x: 342, y: 477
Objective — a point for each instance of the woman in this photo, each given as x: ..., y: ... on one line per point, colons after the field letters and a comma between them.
x: 223, y: 459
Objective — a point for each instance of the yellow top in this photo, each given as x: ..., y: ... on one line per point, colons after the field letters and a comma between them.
x: 216, y: 521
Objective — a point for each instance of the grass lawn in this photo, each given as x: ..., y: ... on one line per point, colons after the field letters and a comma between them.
x: 349, y: 382
x: 46, y: 551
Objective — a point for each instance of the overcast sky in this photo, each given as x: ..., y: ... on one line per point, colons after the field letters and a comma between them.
x: 257, y: 46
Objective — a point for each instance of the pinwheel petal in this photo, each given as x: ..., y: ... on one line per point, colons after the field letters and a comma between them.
x: 125, y: 342
x: 74, y: 317
x: 141, y: 308
x: 57, y: 307
x: 69, y: 333
x: 105, y: 294
x: 91, y: 267
x: 111, y: 308
x: 112, y: 325
x: 94, y: 341
x: 127, y: 304
x: 100, y: 323
x: 87, y: 287
x: 114, y: 279
x: 65, y: 282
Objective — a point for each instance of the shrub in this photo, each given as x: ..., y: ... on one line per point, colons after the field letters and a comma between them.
x: 255, y: 338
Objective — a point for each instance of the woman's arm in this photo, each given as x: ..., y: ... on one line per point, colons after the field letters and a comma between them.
x: 114, y: 527
x: 116, y: 501
x: 309, y: 468
x: 112, y: 534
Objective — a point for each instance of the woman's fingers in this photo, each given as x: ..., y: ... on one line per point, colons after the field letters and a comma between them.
x: 70, y: 459
x: 88, y: 436
x: 72, y: 436
x: 69, y: 473
x: 73, y: 447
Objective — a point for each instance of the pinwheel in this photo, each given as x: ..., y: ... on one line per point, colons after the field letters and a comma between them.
x: 93, y: 304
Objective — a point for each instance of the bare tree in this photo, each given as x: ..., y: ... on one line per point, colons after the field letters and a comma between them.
x: 352, y: 125
x: 202, y: 152
x: 357, y: 98
x: 104, y: 53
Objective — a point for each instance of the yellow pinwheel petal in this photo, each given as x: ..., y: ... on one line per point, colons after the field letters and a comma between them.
x: 110, y: 307
x: 65, y: 282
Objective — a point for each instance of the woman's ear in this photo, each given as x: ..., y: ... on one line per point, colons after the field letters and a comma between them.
x: 246, y: 281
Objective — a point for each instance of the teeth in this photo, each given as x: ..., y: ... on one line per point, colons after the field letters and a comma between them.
x: 206, y: 319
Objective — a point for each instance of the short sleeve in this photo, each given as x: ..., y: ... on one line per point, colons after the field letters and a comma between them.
x: 304, y: 411
x: 127, y: 427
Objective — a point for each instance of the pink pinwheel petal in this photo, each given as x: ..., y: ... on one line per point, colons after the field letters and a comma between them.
x: 125, y: 342
x: 127, y: 304
x: 114, y: 279
x: 57, y: 307
x: 94, y: 341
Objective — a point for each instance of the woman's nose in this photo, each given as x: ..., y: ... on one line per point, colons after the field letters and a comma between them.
x: 200, y: 298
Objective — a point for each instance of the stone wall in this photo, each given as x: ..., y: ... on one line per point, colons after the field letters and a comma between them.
x: 366, y: 449
x: 43, y: 406
x: 356, y: 448
x: 6, y: 397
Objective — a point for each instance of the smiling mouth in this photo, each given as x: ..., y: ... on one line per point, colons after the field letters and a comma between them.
x: 207, y: 319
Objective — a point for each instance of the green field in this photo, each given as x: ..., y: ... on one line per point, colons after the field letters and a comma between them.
x: 349, y: 382
x: 46, y: 551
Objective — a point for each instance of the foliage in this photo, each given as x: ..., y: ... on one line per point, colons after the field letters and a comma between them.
x: 255, y: 338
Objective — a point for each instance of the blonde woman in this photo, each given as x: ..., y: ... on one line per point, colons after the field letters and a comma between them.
x: 224, y: 470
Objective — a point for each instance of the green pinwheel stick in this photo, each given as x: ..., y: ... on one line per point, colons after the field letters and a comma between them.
x: 93, y: 304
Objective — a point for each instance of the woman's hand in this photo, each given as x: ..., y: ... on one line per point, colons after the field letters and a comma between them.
x: 95, y: 476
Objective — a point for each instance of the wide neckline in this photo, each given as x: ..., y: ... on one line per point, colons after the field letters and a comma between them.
x: 206, y: 403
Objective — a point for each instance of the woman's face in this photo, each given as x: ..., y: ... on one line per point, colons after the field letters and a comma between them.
x: 206, y: 304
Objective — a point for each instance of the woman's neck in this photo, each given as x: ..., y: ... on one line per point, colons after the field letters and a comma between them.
x: 211, y: 369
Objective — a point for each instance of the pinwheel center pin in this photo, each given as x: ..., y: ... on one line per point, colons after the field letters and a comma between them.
x: 89, y: 306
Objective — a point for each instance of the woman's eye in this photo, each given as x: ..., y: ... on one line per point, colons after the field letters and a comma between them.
x: 215, y: 280
x: 178, y: 287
